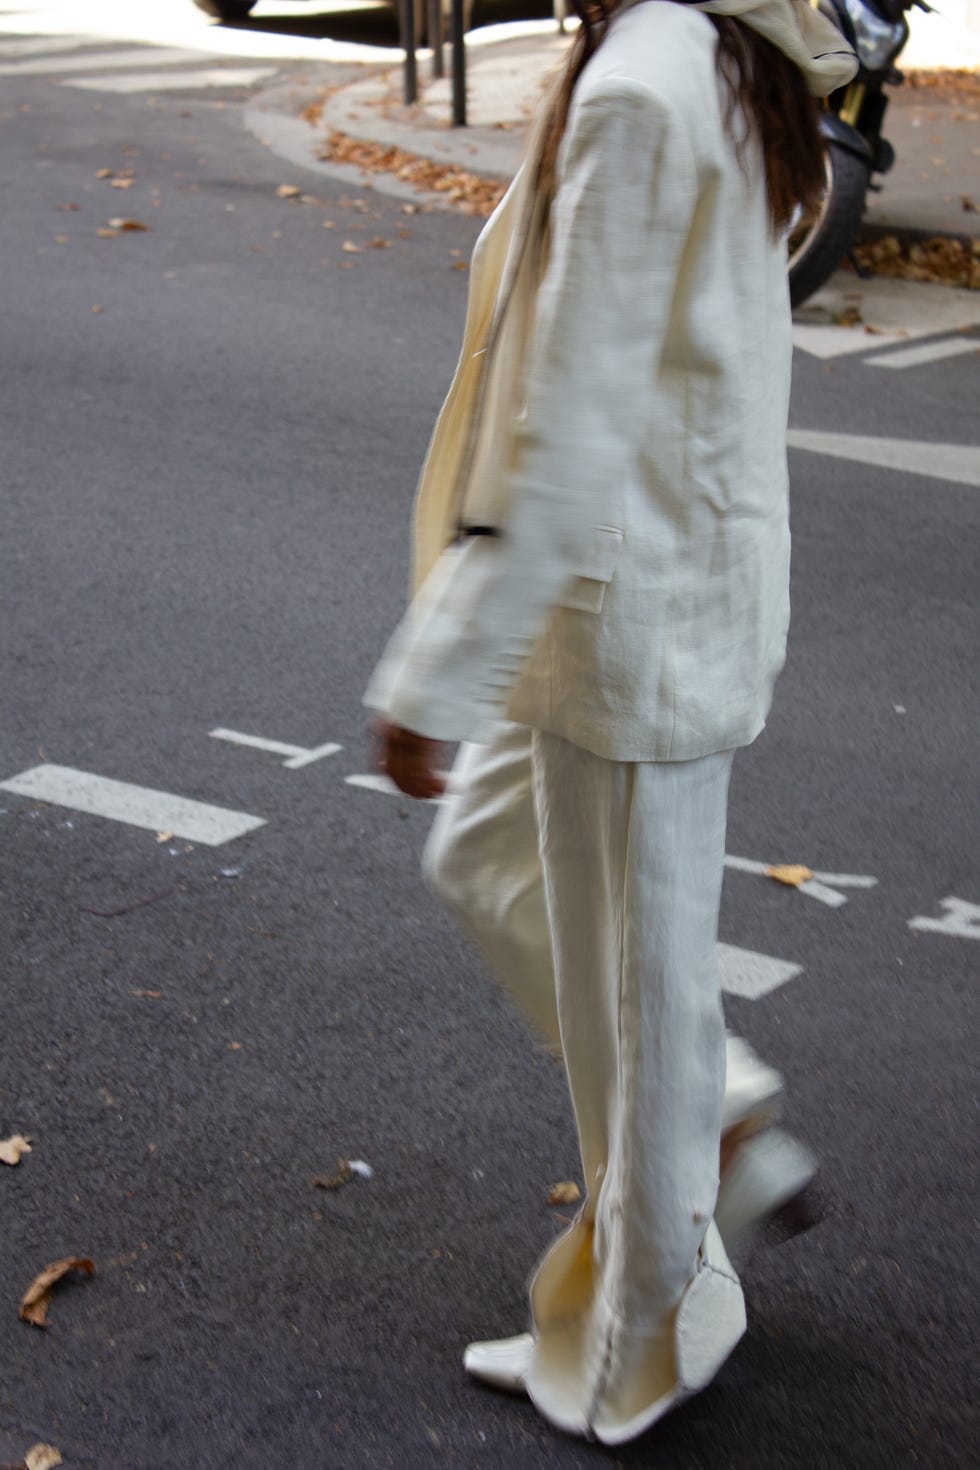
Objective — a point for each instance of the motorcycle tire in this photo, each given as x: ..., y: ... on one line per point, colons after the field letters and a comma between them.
x: 226, y: 9
x: 818, y: 245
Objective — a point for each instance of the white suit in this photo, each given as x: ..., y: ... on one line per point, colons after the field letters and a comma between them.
x: 617, y: 422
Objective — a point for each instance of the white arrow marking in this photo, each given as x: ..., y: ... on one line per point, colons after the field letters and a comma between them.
x: 962, y: 920
x: 821, y: 886
x: 175, y: 81
x: 139, y: 806
x: 957, y: 463
x: 749, y: 975
x: 298, y: 757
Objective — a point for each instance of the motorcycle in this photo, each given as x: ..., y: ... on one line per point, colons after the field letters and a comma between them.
x: 851, y: 123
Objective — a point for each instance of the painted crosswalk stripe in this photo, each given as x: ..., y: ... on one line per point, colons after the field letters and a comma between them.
x: 139, y: 806
x: 44, y: 45
x: 174, y: 81
x: 957, y: 463
x: 930, y: 352
x: 124, y: 60
x: 750, y: 975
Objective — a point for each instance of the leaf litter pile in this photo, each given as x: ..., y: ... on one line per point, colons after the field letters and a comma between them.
x: 943, y: 260
x: 472, y: 193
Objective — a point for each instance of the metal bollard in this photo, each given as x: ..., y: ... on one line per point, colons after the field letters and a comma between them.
x: 435, y: 38
x: 406, y: 26
x: 459, y: 64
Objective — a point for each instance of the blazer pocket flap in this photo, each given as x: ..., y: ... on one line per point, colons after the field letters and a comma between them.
x: 585, y: 591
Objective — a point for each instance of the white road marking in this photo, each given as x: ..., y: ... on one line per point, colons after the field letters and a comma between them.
x: 822, y: 886
x: 930, y: 352
x: 139, y: 806
x: 298, y: 756
x: 894, y: 310
x: 749, y: 975
x: 175, y: 81
x: 105, y: 61
x: 957, y: 463
x: 962, y: 920
x: 44, y: 47
x: 384, y: 784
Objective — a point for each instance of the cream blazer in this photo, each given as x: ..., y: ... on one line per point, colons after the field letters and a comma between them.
x: 618, y: 417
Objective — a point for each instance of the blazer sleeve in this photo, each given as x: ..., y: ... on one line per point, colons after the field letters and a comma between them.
x: 621, y: 216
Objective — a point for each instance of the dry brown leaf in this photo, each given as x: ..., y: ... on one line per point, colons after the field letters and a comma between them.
x: 461, y: 265
x: 121, y: 183
x: 565, y: 1193
x: 235, y: 1045
x: 127, y: 224
x: 42, y: 1457
x: 98, y: 309
x: 69, y: 207
x: 12, y: 1149
x: 328, y: 224
x: 165, y: 837
x: 343, y: 1176
x: 288, y: 191
x: 37, y: 1298
x: 104, y: 173
x: 351, y: 248
x: 379, y: 243
x: 147, y: 994
x: 108, y: 234
x: 61, y: 239
x: 792, y: 874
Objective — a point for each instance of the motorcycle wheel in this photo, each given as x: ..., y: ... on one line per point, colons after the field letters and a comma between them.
x: 226, y: 9
x: 819, y: 242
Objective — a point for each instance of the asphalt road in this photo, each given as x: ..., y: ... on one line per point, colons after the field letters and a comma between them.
x: 210, y: 435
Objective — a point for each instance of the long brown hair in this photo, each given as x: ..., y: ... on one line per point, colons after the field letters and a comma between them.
x: 762, y: 83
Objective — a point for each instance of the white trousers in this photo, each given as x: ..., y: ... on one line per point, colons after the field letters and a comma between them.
x: 592, y: 887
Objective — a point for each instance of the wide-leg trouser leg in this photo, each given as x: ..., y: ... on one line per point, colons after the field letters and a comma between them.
x: 619, y: 961
x: 483, y: 858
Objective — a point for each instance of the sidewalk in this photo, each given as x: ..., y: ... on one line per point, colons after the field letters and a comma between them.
x: 930, y: 191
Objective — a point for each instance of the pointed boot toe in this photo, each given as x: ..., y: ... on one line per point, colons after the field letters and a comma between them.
x: 502, y: 1363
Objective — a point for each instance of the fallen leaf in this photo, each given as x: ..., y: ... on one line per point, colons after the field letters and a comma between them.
x: 12, y: 1149
x: 565, y: 1193
x: 108, y: 234
x: 61, y: 239
x: 969, y: 205
x: 380, y: 243
x: 288, y: 191
x: 328, y: 224
x: 343, y: 1176
x: 849, y: 317
x: 165, y: 837
x: 235, y: 1045
x: 42, y: 1457
x: 67, y: 208
x: 351, y: 248
x: 461, y: 265
x: 37, y: 1298
x: 121, y: 183
x: 104, y: 173
x: 474, y: 194
x: 147, y: 994
x: 127, y: 224
x: 347, y: 1169
x: 97, y: 309
x: 792, y: 874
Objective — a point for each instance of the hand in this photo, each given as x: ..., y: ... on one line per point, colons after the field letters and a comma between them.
x: 412, y: 761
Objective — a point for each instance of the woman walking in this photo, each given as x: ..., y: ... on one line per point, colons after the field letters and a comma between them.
x: 602, y: 565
